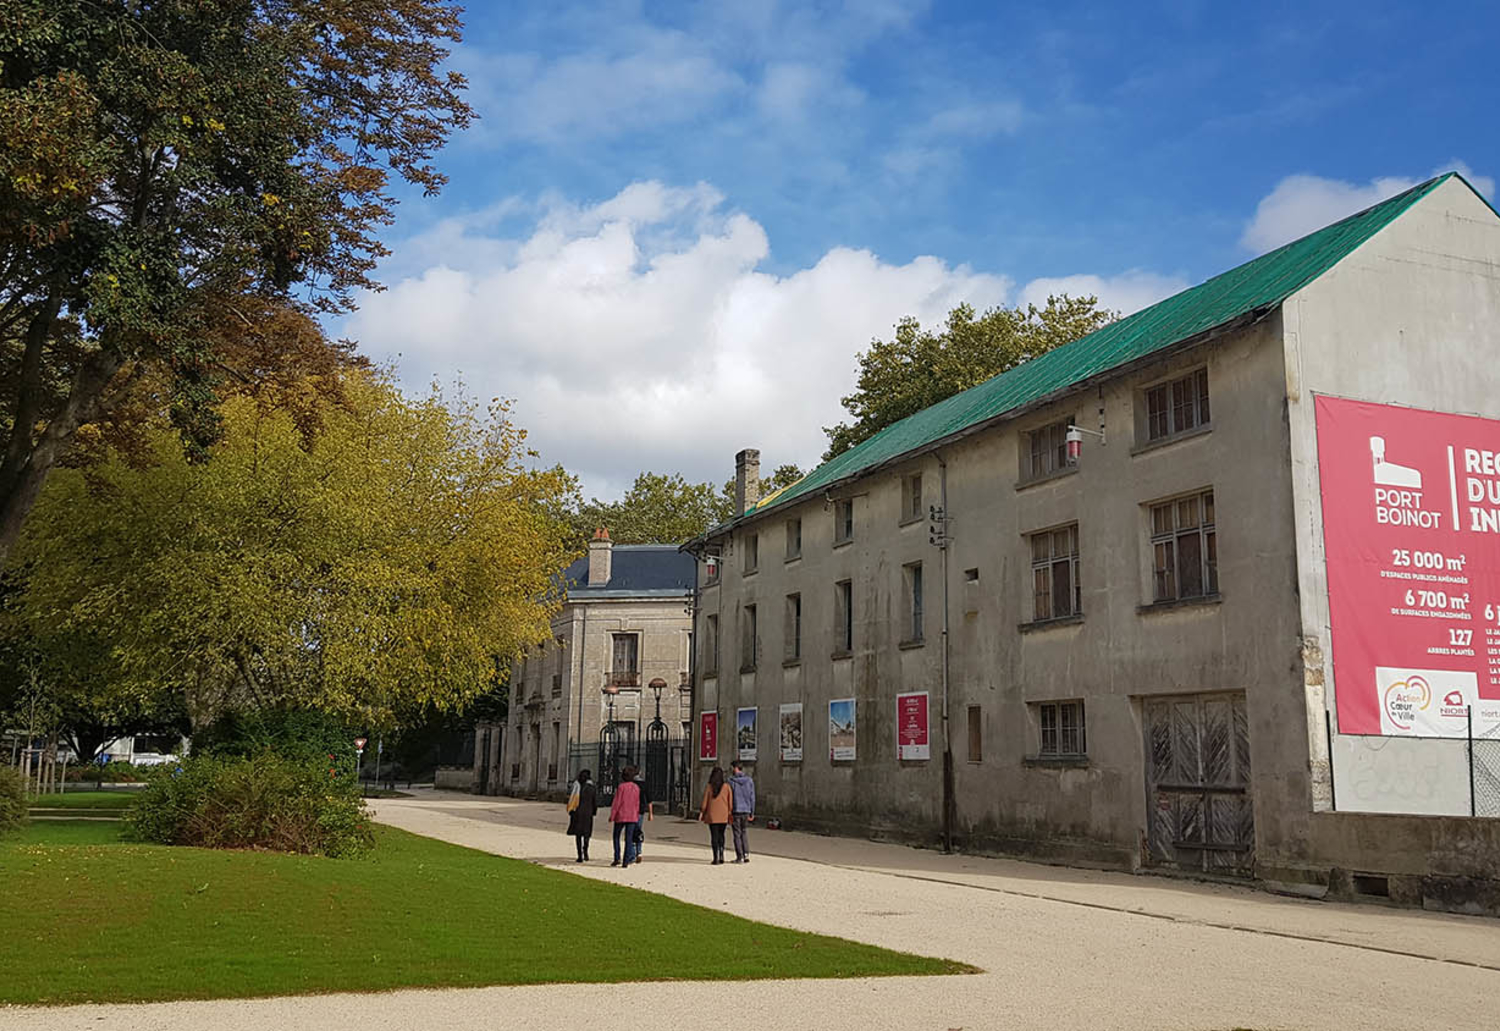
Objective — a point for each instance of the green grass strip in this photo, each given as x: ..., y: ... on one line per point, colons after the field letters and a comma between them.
x: 86, y: 800
x: 89, y: 918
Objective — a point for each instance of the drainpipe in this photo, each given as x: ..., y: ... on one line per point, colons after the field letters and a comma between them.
x: 943, y: 545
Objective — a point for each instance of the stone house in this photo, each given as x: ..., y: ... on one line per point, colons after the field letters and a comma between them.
x: 622, y: 638
x: 1082, y: 611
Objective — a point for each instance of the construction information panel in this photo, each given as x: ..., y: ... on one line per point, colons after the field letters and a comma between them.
x: 1411, y: 527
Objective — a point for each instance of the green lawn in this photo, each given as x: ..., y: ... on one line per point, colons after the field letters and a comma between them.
x: 86, y: 800
x: 87, y: 917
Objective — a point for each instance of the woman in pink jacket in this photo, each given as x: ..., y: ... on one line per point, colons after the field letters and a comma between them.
x: 625, y: 813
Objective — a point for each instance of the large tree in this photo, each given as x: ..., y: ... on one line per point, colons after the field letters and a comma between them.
x: 162, y: 159
x: 919, y: 367
x: 372, y: 569
x: 663, y: 508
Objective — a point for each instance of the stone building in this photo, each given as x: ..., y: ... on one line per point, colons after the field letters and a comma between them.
x: 1105, y: 570
x: 622, y: 638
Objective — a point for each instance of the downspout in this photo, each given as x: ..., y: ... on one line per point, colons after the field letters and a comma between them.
x: 943, y: 545
x: 690, y: 752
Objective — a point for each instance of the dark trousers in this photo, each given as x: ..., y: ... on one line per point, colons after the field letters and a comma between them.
x: 582, y: 840
x: 640, y: 836
x: 741, y: 842
x: 716, y: 840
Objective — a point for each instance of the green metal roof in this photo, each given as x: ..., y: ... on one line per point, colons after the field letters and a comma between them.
x: 1253, y: 287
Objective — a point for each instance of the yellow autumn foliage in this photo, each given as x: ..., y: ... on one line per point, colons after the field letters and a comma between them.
x: 380, y: 566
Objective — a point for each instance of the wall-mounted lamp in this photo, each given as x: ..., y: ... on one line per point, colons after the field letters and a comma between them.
x: 1075, y: 441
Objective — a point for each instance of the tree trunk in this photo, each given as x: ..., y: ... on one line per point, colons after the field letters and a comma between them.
x: 22, y: 480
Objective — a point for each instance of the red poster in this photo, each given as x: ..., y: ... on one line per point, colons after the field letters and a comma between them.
x: 1411, y: 527
x: 911, y: 726
x: 708, y: 737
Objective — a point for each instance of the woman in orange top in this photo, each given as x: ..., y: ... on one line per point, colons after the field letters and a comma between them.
x: 718, y: 801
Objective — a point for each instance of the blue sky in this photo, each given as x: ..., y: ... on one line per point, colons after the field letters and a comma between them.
x: 676, y: 224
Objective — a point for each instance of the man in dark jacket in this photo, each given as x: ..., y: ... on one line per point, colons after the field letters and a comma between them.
x: 648, y: 812
x: 743, y: 789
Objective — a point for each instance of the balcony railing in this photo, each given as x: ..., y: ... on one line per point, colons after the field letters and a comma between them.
x: 630, y: 678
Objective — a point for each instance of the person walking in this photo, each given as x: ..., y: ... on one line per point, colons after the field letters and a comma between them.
x: 583, y: 804
x: 625, y: 813
x: 648, y: 812
x: 742, y: 791
x: 715, y: 811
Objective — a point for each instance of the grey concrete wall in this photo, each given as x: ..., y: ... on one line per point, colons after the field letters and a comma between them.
x: 1412, y: 318
x: 1246, y: 640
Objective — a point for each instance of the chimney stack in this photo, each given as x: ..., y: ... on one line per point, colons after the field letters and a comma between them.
x: 601, y: 556
x: 746, y: 479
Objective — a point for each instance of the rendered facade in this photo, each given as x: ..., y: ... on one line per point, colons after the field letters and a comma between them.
x: 1135, y: 662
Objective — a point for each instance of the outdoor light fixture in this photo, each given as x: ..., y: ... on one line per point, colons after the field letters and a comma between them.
x: 1075, y: 441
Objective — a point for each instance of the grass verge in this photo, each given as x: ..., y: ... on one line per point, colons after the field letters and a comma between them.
x: 85, y: 800
x: 90, y: 918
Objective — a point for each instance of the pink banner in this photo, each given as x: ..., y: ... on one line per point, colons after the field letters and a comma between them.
x: 912, y: 738
x: 1411, y: 527
x: 708, y: 737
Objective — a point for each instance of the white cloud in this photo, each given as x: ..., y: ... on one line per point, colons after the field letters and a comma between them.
x: 1303, y: 203
x: 642, y: 332
x: 1126, y: 293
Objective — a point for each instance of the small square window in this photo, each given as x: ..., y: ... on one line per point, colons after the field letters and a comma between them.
x: 843, y: 521
x: 1178, y: 406
x: 1061, y: 730
x: 793, y: 539
x: 1046, y: 451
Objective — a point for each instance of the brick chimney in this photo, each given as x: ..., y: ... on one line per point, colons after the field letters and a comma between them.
x: 601, y: 557
x: 746, y: 479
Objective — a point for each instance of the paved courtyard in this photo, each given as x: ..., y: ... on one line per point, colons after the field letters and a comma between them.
x: 1060, y: 948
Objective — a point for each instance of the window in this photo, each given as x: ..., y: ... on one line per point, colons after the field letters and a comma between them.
x: 794, y: 626
x: 711, y: 653
x: 843, y: 521
x: 1054, y: 574
x: 749, y: 646
x: 556, y: 752
x: 911, y: 498
x: 976, y: 735
x: 1047, y: 451
x: 752, y: 552
x: 557, y: 685
x: 1178, y: 406
x: 843, y: 594
x: 793, y: 539
x: 1062, y: 732
x: 1185, y: 552
x: 626, y: 671
x: 912, y: 585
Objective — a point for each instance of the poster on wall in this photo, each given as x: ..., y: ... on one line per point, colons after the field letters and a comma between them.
x: 744, y: 735
x: 912, y: 740
x: 1411, y: 528
x: 841, y: 729
x: 708, y: 737
x: 791, y: 732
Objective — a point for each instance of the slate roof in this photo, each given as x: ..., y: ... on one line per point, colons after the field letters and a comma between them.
x: 636, y: 570
x: 1242, y: 293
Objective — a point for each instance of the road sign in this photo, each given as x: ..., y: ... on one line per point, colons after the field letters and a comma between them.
x: 359, y: 743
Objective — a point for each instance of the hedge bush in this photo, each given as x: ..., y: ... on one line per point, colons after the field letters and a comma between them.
x: 117, y: 772
x: 263, y: 801
x: 13, y: 814
x: 295, y: 734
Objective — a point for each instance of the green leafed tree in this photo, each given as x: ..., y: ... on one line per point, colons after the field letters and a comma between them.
x: 662, y: 508
x: 160, y: 159
x: 919, y: 367
x: 373, y: 569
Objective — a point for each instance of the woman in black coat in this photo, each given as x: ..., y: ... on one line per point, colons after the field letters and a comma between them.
x: 581, y: 819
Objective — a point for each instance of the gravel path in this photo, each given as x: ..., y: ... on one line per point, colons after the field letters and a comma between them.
x: 1060, y: 948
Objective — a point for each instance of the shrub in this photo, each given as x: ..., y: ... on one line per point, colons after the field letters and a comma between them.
x: 264, y: 801
x: 13, y: 814
x: 116, y: 773
x: 296, y: 734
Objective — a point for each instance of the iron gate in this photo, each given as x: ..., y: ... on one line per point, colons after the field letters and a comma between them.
x: 1200, y: 811
x: 657, y: 771
x: 616, y: 751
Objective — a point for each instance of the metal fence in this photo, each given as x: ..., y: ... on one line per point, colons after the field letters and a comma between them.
x: 662, y: 760
x: 1484, y: 774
